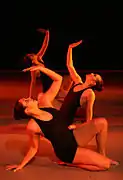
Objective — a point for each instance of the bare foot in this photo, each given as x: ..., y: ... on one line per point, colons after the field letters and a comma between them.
x: 61, y: 163
x: 116, y: 163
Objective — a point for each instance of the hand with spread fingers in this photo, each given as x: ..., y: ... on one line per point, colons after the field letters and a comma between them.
x: 14, y: 168
x: 32, y: 68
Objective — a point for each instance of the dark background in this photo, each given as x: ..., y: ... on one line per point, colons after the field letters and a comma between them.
x: 99, y: 25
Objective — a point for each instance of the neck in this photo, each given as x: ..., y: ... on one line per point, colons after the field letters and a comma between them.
x: 85, y: 85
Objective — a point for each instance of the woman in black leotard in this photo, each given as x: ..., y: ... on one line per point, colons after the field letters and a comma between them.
x: 85, y: 97
x: 46, y: 120
x: 68, y: 110
x: 82, y: 94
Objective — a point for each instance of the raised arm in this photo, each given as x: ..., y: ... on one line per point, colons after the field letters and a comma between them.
x: 57, y: 80
x: 90, y: 104
x: 32, y: 84
x: 73, y: 74
x: 43, y: 49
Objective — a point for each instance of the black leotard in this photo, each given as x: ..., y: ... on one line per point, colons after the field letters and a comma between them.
x: 57, y: 132
x: 70, y: 104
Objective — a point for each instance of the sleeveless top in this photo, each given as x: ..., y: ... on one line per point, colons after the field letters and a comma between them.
x: 70, y: 104
x: 57, y: 132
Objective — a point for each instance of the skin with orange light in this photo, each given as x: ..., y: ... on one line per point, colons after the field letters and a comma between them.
x: 84, y: 158
x: 36, y: 59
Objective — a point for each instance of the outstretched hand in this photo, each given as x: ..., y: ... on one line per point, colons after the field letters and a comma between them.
x: 75, y: 44
x: 27, y: 69
x: 13, y: 167
x: 32, y: 68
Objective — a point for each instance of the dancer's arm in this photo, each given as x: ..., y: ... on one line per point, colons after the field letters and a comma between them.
x: 89, y: 109
x: 74, y: 75
x: 90, y: 104
x: 43, y: 49
x: 34, y: 140
x: 57, y: 80
x: 32, y: 83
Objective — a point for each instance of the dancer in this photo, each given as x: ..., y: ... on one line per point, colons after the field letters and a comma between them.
x: 82, y: 93
x: 46, y: 120
x: 36, y: 59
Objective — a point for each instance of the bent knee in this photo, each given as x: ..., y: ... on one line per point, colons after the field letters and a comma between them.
x: 101, y: 123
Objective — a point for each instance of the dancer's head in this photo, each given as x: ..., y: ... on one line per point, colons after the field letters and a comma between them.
x: 32, y: 57
x: 35, y: 60
x: 23, y: 108
x: 95, y: 81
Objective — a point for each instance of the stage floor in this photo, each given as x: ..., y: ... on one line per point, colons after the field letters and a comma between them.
x: 13, y: 144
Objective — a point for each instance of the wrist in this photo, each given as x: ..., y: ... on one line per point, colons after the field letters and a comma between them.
x: 21, y: 166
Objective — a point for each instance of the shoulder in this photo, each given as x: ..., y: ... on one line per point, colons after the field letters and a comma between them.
x: 89, y: 93
x: 33, y: 127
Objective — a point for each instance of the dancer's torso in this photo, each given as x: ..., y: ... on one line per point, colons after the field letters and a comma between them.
x: 71, y: 103
x: 60, y: 136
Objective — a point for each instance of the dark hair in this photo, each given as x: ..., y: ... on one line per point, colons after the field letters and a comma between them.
x: 19, y: 112
x: 28, y: 58
x: 99, y: 85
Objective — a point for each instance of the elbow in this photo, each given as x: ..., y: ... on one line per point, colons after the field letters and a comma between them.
x: 69, y: 66
x: 60, y: 78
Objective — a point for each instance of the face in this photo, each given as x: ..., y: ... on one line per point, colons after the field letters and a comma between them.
x: 28, y: 102
x: 33, y: 58
x: 91, y: 78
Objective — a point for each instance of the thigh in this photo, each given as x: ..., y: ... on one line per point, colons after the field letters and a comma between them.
x: 85, y: 133
x: 89, y: 157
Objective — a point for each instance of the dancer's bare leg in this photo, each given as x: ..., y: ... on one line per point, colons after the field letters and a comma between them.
x: 83, y: 135
x: 90, y: 160
x: 101, y: 136
x: 86, y: 131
